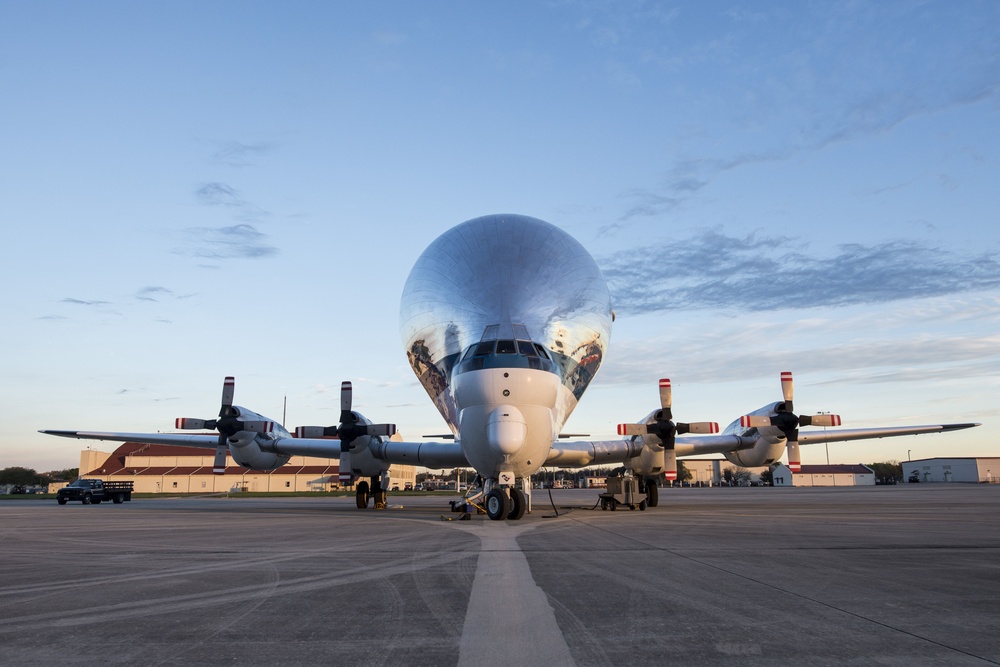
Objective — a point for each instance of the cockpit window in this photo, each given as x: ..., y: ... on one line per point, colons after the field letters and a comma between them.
x: 516, y: 352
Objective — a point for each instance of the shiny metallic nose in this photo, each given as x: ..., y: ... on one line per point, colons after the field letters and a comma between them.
x: 506, y: 430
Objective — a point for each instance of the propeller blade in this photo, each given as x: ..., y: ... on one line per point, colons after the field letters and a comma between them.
x: 219, y: 466
x: 670, y: 464
x: 346, y: 395
x: 755, y: 421
x: 316, y: 432
x: 228, y: 390
x: 787, y: 389
x: 794, y: 458
x: 346, y: 475
x: 256, y: 426
x: 699, y: 427
x: 189, y: 423
x: 632, y: 429
x: 666, y: 394
x: 381, y: 429
x: 819, y: 420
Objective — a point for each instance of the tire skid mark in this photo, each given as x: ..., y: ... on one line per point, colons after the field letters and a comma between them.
x: 186, y: 602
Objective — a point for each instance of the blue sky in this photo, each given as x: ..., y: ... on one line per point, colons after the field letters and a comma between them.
x: 195, y: 190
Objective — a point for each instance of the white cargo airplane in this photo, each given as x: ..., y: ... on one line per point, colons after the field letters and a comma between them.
x: 506, y: 319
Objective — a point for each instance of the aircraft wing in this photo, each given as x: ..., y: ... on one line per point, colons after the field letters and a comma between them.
x: 428, y: 454
x: 842, y: 435
x: 577, y: 454
x: 207, y: 441
x: 319, y: 447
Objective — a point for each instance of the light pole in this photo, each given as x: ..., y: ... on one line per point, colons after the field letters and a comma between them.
x: 908, y: 457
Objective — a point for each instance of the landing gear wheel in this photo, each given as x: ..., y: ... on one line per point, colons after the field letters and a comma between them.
x: 652, y: 493
x: 518, y: 504
x: 361, y: 494
x: 497, y: 505
x: 379, y: 496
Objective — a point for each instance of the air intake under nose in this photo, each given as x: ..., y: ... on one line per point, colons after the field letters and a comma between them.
x: 506, y: 430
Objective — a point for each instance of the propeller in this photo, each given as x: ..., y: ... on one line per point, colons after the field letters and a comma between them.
x: 786, y: 421
x: 666, y: 429
x: 350, y: 429
x: 228, y: 424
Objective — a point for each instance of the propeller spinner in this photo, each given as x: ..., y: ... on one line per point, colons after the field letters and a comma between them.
x: 351, y: 427
x: 786, y: 421
x: 228, y: 424
x: 666, y: 430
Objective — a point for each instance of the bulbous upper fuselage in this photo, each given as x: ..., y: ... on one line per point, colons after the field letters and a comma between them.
x: 505, y: 303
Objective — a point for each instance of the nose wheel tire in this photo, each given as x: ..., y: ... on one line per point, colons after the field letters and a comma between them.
x: 497, y: 505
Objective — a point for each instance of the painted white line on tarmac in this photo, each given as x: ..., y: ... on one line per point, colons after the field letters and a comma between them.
x: 509, y: 619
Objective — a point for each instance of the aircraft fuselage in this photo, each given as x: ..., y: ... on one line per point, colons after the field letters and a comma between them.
x: 505, y: 320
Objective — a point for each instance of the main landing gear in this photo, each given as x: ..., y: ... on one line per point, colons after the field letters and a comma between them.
x: 375, y: 491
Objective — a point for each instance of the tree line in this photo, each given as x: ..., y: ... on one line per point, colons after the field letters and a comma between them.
x: 28, y: 476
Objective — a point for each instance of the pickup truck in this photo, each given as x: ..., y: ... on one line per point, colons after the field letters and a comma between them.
x: 94, y: 491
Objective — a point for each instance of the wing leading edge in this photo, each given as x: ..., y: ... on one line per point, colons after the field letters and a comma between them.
x: 581, y: 453
x: 428, y: 454
x: 843, y: 435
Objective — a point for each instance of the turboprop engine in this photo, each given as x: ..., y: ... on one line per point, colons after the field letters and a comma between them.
x: 778, y: 428
x: 241, y: 431
x: 247, y: 452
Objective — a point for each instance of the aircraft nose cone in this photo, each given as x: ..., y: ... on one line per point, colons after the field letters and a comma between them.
x: 506, y: 430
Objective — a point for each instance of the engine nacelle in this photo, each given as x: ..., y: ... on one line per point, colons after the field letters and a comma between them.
x: 649, y: 461
x: 765, y: 452
x: 362, y: 457
x: 249, y: 455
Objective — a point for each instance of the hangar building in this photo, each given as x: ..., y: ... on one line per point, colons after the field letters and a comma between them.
x: 962, y: 469
x: 170, y: 469
x: 825, y: 475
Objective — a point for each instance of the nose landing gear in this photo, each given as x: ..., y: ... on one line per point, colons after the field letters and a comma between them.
x: 506, y: 502
x: 497, y: 504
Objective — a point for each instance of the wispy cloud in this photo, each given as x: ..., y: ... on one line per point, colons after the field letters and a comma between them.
x: 903, y: 342
x: 84, y: 302
x: 221, y: 194
x: 763, y: 273
x: 697, y: 359
x: 238, y: 154
x: 235, y: 242
x: 151, y: 293
x: 842, y: 78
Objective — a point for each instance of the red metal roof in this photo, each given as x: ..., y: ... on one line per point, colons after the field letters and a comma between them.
x: 115, y: 463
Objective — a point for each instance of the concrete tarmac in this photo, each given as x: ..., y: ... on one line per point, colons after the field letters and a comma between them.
x: 757, y: 576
